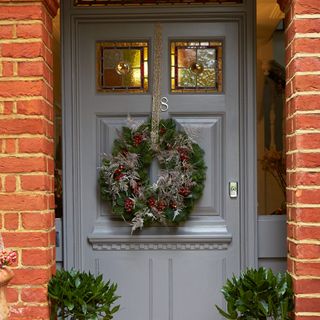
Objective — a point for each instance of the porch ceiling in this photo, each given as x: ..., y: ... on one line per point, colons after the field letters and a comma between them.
x: 268, y: 17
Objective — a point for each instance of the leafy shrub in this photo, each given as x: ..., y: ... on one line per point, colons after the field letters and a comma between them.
x: 81, y: 296
x: 258, y: 294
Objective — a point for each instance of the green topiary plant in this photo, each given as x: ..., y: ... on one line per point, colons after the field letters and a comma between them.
x: 81, y: 296
x: 258, y: 294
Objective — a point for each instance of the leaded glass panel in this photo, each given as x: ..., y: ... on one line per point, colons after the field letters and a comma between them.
x: 122, y: 67
x: 196, y: 66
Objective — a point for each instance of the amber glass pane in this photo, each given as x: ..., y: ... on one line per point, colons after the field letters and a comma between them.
x: 196, y: 66
x: 122, y: 67
x: 186, y: 57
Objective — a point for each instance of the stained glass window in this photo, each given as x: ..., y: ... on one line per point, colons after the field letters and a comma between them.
x: 122, y: 67
x: 196, y: 66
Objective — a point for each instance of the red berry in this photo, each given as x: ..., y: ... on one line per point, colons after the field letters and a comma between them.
x: 184, y: 191
x: 151, y: 202
x: 161, y: 205
x: 137, y: 139
x: 118, y: 177
x: 183, y: 152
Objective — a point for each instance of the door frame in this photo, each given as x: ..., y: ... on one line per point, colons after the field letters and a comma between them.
x: 244, y: 16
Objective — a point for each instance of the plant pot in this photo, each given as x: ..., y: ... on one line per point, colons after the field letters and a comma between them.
x: 5, y: 276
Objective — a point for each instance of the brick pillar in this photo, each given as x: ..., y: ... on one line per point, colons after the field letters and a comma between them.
x: 303, y: 152
x: 26, y: 145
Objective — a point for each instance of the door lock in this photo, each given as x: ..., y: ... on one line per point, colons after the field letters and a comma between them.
x: 233, y: 189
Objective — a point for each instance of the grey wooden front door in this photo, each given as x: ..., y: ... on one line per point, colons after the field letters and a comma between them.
x: 163, y: 273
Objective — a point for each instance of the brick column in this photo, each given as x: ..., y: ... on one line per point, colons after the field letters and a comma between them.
x: 26, y: 145
x: 303, y: 152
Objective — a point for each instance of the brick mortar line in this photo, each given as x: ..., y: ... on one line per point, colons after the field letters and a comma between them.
x: 21, y: 78
x: 22, y: 98
x: 303, y: 224
x: 303, y: 93
x: 303, y: 187
x: 317, y: 111
x: 26, y: 79
x: 36, y: 173
x: 303, y: 205
x: 303, y: 112
x: 21, y: 212
x: 297, y: 151
x: 29, y: 247
x: 305, y: 55
x: 295, y: 241
x: 30, y: 304
x: 289, y: 25
x: 28, y: 193
x: 308, y: 35
x: 308, y: 295
x: 26, y: 41
x: 22, y: 4
x: 49, y: 140
x: 5, y: 22
x: 304, y: 260
x: 306, y: 16
x: 299, y: 132
x: 295, y: 277
x: 26, y: 155
x: 307, y: 314
x: 50, y: 247
x: 302, y: 169
x: 19, y: 286
x: 289, y: 44
x: 307, y: 73
x: 297, y: 56
x: 47, y: 231
x: 9, y: 59
x: 25, y: 117
x: 25, y: 60
x: 302, y: 74
x: 21, y: 40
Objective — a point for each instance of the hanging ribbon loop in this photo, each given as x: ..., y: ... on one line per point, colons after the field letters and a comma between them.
x: 156, y: 100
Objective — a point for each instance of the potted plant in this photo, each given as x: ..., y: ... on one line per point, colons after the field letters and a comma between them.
x: 6, y: 259
x: 80, y: 296
x: 258, y: 294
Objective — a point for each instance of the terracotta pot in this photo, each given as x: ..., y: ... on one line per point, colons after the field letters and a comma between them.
x: 5, y: 276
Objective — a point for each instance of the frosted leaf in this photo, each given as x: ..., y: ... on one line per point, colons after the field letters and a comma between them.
x: 192, y: 132
x: 175, y: 214
x: 133, y: 123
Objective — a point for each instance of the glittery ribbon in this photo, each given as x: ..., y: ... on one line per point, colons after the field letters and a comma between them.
x: 155, y: 116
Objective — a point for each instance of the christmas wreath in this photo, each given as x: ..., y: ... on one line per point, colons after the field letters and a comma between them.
x: 124, y: 176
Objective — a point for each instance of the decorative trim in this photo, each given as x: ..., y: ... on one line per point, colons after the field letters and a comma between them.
x: 137, y: 243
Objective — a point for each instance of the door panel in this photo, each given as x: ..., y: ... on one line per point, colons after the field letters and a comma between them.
x: 162, y: 272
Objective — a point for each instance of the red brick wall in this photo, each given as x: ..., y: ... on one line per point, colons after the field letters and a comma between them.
x: 303, y: 153
x: 26, y: 157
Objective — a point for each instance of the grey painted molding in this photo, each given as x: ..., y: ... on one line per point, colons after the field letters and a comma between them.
x: 148, y: 242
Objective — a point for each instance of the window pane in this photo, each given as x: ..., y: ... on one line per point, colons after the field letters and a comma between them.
x: 122, y: 67
x: 196, y: 66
